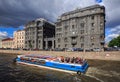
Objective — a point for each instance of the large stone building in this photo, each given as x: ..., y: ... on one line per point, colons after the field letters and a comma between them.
x: 8, y: 43
x: 81, y: 28
x: 39, y: 34
x: 19, y: 39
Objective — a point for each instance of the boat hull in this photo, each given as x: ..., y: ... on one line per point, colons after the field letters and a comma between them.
x: 50, y: 68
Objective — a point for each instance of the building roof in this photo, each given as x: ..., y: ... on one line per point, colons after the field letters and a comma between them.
x: 41, y: 20
x: 7, y: 39
x: 83, y: 9
x: 20, y: 30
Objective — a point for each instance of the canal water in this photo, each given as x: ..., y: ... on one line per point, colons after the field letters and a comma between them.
x: 97, y: 72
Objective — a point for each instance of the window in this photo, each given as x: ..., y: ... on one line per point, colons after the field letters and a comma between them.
x: 65, y: 39
x: 92, y: 38
x: 58, y: 46
x: 82, y: 45
x: 59, y: 24
x: 33, y: 41
x: 101, y: 28
x: 73, y: 45
x: 25, y: 33
x: 66, y: 27
x: 92, y: 17
x: 39, y: 41
x: 92, y: 30
x: 65, y: 45
x: 39, y: 32
x: 82, y: 38
x: 33, y: 32
x: 92, y: 24
x: 60, y: 35
x: 101, y: 36
x: 73, y: 27
x: 59, y: 29
x: 92, y: 44
x: 82, y: 31
x: 58, y: 40
x: 40, y: 28
x: 82, y: 25
x: 57, y: 35
x: 39, y: 37
x: 73, y: 38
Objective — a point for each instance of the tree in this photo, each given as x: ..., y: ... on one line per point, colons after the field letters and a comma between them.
x: 115, y: 42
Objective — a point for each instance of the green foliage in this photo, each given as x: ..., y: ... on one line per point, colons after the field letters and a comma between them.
x: 115, y: 42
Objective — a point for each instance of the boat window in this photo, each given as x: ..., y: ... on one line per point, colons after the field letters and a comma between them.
x: 72, y: 66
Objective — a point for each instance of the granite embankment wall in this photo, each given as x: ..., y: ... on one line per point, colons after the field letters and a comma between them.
x: 112, y: 55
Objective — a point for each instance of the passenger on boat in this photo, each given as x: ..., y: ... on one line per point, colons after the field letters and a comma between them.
x: 32, y: 60
x: 21, y: 58
x: 76, y: 60
x: 73, y: 60
x: 62, y: 58
x: 67, y: 59
x: 81, y: 61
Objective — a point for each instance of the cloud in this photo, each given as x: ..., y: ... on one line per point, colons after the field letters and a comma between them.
x: 3, y: 35
x: 116, y: 30
x: 112, y: 13
x: 18, y: 12
x: 113, y: 33
x: 111, y: 36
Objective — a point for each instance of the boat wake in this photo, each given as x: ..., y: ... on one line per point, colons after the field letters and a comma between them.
x: 77, y: 79
x: 95, y: 78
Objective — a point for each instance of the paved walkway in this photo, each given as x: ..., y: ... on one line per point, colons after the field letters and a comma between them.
x: 113, y: 55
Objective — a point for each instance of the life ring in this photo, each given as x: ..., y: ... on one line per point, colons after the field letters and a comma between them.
x: 78, y: 72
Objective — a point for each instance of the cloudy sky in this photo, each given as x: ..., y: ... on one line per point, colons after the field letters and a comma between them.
x: 15, y: 13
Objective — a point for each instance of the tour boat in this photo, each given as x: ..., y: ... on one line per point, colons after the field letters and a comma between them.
x: 77, y: 64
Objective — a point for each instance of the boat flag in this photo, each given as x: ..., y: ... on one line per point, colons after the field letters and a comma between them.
x: 98, y: 1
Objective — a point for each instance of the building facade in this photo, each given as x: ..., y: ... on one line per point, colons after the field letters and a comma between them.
x: 8, y: 43
x: 82, y: 28
x: 39, y: 34
x: 19, y: 39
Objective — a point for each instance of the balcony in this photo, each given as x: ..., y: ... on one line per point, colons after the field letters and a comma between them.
x: 74, y: 42
x: 73, y: 34
x: 102, y: 42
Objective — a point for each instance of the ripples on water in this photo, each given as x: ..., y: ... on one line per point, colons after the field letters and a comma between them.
x: 12, y: 72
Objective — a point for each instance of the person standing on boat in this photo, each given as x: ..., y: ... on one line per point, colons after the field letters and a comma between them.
x: 62, y: 58
x: 73, y: 60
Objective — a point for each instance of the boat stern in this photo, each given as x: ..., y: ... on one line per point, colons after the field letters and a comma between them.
x: 83, y: 69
